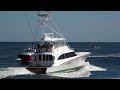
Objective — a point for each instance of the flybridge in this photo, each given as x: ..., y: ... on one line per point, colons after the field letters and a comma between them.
x: 50, y: 37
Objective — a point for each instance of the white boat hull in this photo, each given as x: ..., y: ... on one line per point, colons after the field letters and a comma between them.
x: 71, y: 64
x: 75, y: 63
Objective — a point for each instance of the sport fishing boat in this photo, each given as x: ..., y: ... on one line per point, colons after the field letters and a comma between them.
x: 53, y: 54
x: 26, y: 55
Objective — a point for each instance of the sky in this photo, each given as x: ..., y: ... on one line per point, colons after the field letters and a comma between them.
x: 76, y: 26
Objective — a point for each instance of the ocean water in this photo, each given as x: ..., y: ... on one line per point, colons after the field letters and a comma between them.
x: 103, y: 63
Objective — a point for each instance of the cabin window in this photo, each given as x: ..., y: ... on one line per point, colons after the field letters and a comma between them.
x: 51, y: 57
x: 62, y: 57
x: 39, y: 57
x: 43, y: 57
x: 47, y: 57
x: 67, y: 55
x: 71, y: 54
x: 35, y: 58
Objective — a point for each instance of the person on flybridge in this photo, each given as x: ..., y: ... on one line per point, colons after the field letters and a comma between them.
x: 38, y: 47
x: 46, y: 47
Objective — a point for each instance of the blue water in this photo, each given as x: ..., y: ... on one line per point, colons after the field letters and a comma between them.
x: 104, y: 60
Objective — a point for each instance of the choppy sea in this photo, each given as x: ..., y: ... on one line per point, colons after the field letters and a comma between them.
x: 103, y: 63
